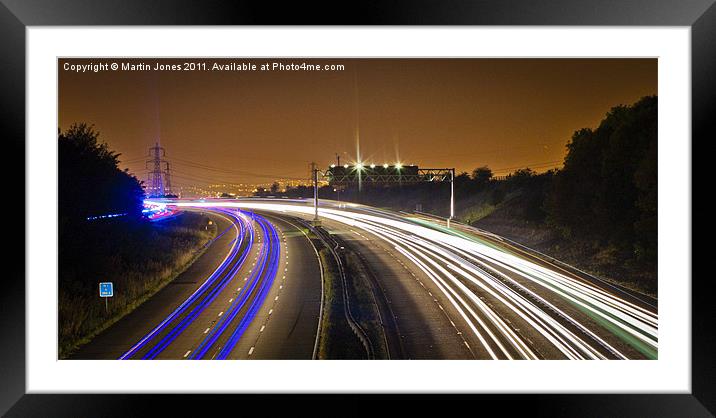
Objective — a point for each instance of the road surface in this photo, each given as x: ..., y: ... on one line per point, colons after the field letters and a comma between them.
x: 461, y: 294
x: 457, y: 293
x: 241, y: 299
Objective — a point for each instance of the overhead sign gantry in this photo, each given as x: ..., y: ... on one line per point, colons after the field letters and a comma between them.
x: 360, y: 173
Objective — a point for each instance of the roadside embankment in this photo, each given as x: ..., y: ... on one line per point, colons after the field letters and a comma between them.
x: 139, y: 258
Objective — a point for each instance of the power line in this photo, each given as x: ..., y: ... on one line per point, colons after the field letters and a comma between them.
x: 273, y: 160
x: 536, y: 165
x: 192, y: 164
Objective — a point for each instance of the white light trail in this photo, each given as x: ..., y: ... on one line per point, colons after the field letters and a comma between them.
x: 448, y: 260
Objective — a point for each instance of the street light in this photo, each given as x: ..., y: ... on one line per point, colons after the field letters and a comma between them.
x: 372, y: 166
x: 385, y: 165
x: 398, y: 166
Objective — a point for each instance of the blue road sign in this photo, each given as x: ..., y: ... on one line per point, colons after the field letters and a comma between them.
x: 106, y: 290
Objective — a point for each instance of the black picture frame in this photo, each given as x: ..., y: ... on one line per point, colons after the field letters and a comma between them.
x: 16, y: 15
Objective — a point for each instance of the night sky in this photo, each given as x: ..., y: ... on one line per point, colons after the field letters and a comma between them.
x: 254, y: 126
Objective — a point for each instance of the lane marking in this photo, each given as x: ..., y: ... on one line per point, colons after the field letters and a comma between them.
x: 221, y: 313
x: 187, y: 354
x: 251, y: 350
x: 206, y: 331
x: 262, y: 328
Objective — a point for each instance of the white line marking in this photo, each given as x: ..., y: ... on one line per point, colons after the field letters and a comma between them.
x: 231, y: 300
x: 221, y: 313
x: 276, y: 298
x: 262, y: 328
x: 251, y: 350
x: 270, y: 311
x: 187, y: 354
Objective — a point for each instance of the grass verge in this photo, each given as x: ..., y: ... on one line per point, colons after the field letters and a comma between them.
x: 139, y: 262
x: 363, y: 304
x: 337, y: 340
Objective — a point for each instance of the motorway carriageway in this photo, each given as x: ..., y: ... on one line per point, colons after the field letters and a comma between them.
x: 502, y: 304
x: 244, y: 278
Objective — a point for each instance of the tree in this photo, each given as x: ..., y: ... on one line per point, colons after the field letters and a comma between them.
x: 90, y: 181
x: 91, y: 184
x: 520, y: 177
x: 482, y: 175
x: 571, y: 200
x: 608, y: 186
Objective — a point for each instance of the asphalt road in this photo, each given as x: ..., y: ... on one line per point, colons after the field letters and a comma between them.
x: 457, y: 293
x: 424, y: 329
x: 241, y: 299
x: 461, y: 293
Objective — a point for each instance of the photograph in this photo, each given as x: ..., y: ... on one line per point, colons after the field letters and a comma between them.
x: 254, y: 208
